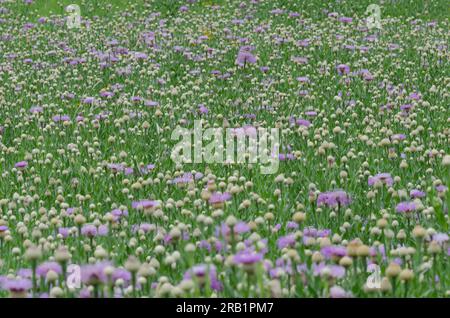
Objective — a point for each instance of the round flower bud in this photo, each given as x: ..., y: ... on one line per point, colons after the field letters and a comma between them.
x: 386, y: 286
x: 406, y: 274
x: 346, y: 261
x: 231, y: 221
x: 419, y: 232
x: 56, y: 292
x: 132, y: 264
x: 393, y: 270
x: 62, y: 255
x: 434, y: 248
x: 317, y: 257
x: 299, y: 217
x: 33, y: 253
x: 382, y: 223
x: 108, y: 271
x: 51, y: 276
x: 79, y: 219
x: 363, y: 251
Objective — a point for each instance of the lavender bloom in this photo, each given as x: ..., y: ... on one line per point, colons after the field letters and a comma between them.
x: 247, y: 257
x: 241, y: 227
x: 93, y: 274
x: 118, y: 214
x: 245, y: 57
x: 21, y: 164
x: 339, y: 292
x: 440, y: 238
x: 343, y: 69
x: 416, y: 193
x: 333, y: 198
x: 334, y: 271
x: 91, y: 230
x: 333, y: 251
x: 406, y: 207
x: 64, y: 231
x: 36, y: 109
x: 120, y: 273
x: 219, y: 197
x: 384, y: 178
x: 58, y: 118
x: 145, y: 204
x: 17, y: 287
x: 200, y: 272
x: 44, y: 268
x: 285, y: 241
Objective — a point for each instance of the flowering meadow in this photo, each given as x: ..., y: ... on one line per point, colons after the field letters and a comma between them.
x: 93, y: 204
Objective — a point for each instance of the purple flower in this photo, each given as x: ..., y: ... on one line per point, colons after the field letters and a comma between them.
x: 303, y: 79
x: 17, y: 286
x: 24, y: 273
x: 241, y: 227
x: 343, y: 69
x: 333, y: 251
x: 333, y: 198
x: 440, y: 238
x: 441, y: 188
x: 150, y: 103
x: 64, y: 231
x: 219, y: 197
x: 245, y: 57
x: 311, y: 113
x: 202, y: 109
x: 36, y: 109
x: 406, y: 207
x: 147, y: 168
x: 416, y: 193
x: 303, y: 122
x: 285, y: 241
x: 339, y: 292
x: 185, y: 178
x: 58, y: 118
x: 115, y: 167
x: 335, y: 271
x: 44, y: 268
x: 312, y: 232
x: 120, y: 273
x: 118, y: 214
x: 247, y: 257
x: 88, y: 100
x: 145, y: 204
x: 345, y: 19
x: 384, y: 178
x: 93, y: 274
x: 21, y: 164
x: 200, y: 272
x: 91, y: 230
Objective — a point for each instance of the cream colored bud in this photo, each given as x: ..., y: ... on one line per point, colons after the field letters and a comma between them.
x: 393, y: 270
